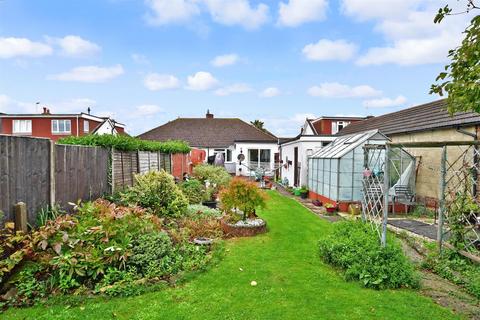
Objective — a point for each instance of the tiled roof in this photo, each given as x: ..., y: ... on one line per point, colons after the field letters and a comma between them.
x: 429, y: 116
x: 209, y: 132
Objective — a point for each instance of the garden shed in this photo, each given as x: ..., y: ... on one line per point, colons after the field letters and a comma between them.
x: 335, y: 172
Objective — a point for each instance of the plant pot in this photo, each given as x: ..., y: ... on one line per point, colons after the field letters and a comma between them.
x: 317, y: 203
x: 296, y: 192
x: 210, y: 204
x: 304, y: 195
x: 331, y: 210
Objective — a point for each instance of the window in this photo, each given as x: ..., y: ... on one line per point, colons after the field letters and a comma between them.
x: 339, y: 125
x: 259, y: 157
x: 86, y: 126
x: 227, y: 154
x: 22, y: 126
x: 61, y: 126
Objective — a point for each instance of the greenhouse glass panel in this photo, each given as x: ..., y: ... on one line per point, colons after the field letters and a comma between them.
x: 346, y: 165
x: 345, y: 194
x: 345, y: 179
x: 333, y: 193
x: 334, y: 179
x: 326, y: 164
x: 333, y: 165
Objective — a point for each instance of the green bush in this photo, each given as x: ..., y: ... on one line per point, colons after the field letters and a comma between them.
x: 153, y: 255
x: 157, y: 190
x: 354, y: 247
x: 194, y: 190
x: 127, y: 143
x: 216, y: 176
x: 198, y: 211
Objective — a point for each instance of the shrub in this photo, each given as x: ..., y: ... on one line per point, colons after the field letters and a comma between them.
x: 243, y: 195
x: 157, y: 190
x: 197, y: 211
x: 194, y: 190
x: 354, y: 247
x: 216, y: 176
x: 152, y: 254
x: 127, y: 143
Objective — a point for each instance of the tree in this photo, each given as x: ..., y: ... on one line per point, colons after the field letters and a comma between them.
x: 461, y: 78
x: 258, y: 124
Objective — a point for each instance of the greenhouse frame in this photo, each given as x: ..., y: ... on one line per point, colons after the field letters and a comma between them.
x: 336, y: 171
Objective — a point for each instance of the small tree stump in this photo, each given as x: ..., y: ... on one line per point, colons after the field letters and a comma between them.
x: 21, y: 217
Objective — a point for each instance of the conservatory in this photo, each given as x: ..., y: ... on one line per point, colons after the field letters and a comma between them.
x: 335, y: 171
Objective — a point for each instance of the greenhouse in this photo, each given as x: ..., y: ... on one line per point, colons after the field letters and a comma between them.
x: 336, y: 171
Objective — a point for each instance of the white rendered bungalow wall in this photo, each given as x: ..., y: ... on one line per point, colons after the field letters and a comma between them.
x: 263, y: 151
x: 307, y: 146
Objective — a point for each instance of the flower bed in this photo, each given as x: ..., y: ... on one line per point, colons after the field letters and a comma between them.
x: 244, y: 228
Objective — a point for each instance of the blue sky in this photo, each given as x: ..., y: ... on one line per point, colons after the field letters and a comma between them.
x: 147, y: 62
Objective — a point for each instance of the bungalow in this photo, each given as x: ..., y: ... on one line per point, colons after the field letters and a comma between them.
x: 245, y: 147
x: 428, y: 122
x: 56, y: 126
x: 314, y: 134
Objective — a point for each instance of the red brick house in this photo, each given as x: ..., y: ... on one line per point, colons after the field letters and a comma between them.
x: 56, y: 126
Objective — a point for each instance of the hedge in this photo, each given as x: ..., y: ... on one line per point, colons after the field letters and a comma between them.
x: 127, y: 143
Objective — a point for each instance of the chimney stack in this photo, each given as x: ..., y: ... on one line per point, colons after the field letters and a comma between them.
x: 209, y: 115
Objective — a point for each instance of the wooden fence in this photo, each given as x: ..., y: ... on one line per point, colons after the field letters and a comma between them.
x: 40, y: 173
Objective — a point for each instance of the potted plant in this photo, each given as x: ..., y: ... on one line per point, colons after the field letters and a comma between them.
x: 214, y: 178
x: 296, y: 192
x: 304, y: 192
x: 330, y: 207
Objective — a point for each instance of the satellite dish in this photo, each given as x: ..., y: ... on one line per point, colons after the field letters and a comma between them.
x: 241, y: 157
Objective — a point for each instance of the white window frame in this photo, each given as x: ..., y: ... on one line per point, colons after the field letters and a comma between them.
x: 337, y: 124
x: 22, y: 127
x: 225, y: 152
x: 86, y: 126
x: 56, y: 126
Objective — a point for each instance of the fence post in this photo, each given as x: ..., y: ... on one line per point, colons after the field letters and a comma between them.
x: 386, y: 183
x: 52, y: 173
x: 112, y: 168
x: 441, y: 214
x: 21, y: 217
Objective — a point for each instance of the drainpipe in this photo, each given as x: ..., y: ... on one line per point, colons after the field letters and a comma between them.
x: 77, y: 126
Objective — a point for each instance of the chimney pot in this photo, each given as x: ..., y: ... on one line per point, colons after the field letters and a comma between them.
x: 209, y: 115
x: 44, y: 110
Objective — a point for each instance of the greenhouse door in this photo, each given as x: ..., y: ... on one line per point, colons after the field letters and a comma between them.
x: 295, y: 167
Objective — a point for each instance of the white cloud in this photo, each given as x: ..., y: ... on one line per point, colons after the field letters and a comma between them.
x: 337, y: 90
x: 227, y: 12
x: 371, y: 9
x: 411, y: 37
x: 237, y: 12
x: 385, y: 102
x: 270, y: 92
x: 235, y: 88
x: 155, y: 82
x: 225, y: 60
x: 22, y: 47
x: 288, y: 126
x: 326, y: 49
x: 201, y: 81
x: 10, y: 105
x: 139, y: 58
x: 147, y: 110
x: 75, y: 46
x: 297, y: 12
x: 92, y: 74
x: 171, y: 11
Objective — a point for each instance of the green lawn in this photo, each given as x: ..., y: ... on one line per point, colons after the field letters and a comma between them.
x: 292, y: 284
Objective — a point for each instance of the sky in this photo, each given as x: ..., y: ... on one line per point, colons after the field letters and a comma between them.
x: 146, y: 62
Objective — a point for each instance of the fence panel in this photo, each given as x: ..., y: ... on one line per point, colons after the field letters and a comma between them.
x: 80, y: 173
x: 125, y: 166
x: 24, y: 174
